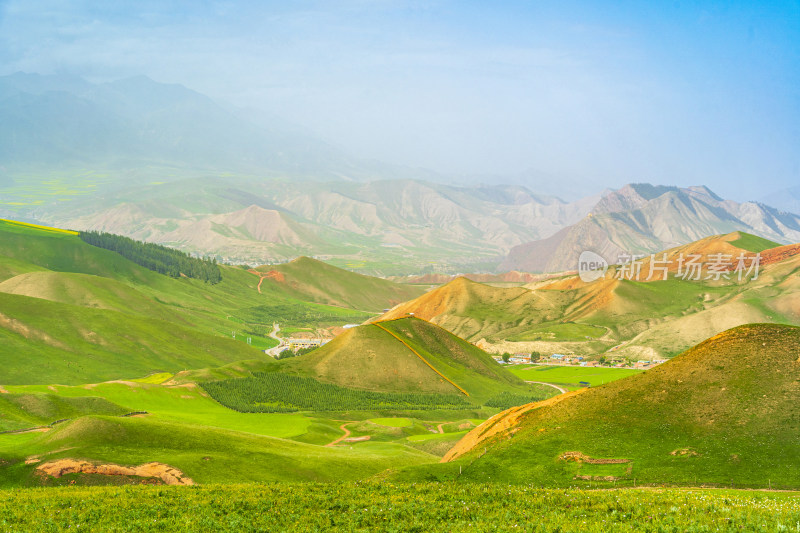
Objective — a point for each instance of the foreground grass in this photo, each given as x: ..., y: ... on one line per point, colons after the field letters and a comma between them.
x: 390, y: 507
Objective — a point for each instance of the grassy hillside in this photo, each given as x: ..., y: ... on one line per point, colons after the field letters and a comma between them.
x: 639, y: 319
x: 49, y: 342
x: 86, y: 291
x: 724, y: 412
x: 204, y: 454
x: 753, y: 243
x: 184, y: 429
x: 473, y: 310
x: 21, y: 411
x: 62, y: 251
x: 74, y: 313
x: 406, y: 355
x: 312, y: 280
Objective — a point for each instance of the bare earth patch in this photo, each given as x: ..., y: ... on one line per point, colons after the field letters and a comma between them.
x: 166, y: 473
x: 21, y: 328
x: 123, y: 382
x: 684, y: 452
x: 580, y: 457
x: 3, y: 390
x: 357, y: 439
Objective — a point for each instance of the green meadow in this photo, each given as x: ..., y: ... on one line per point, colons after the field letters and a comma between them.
x: 570, y: 377
x: 374, y: 506
x: 113, y: 364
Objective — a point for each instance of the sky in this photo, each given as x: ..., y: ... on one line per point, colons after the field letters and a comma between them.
x: 564, y: 93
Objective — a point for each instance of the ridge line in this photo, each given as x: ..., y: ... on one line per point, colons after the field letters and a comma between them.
x: 423, y: 359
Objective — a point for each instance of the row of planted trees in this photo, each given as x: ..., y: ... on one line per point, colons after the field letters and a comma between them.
x: 155, y: 257
x: 272, y: 392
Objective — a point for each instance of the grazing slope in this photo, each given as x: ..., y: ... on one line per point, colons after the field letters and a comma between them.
x: 473, y: 310
x: 49, y: 342
x: 724, y: 412
x: 83, y: 290
x: 644, y: 319
x: 74, y: 313
x: 22, y: 411
x: 205, y: 454
x: 312, y: 280
x: 427, y: 359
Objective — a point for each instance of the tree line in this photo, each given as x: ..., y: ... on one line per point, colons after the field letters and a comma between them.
x: 155, y: 257
x: 267, y: 392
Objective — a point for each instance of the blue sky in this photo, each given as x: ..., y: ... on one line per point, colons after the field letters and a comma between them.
x: 592, y: 94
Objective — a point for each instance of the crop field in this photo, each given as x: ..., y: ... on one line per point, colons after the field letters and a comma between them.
x: 393, y: 507
x: 38, y: 189
x: 570, y: 376
x: 38, y: 227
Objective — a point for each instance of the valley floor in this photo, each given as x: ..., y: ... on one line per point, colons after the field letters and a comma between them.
x: 374, y: 506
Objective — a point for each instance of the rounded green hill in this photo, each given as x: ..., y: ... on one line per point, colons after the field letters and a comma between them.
x: 724, y: 413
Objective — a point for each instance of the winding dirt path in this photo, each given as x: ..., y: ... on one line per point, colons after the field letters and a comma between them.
x: 560, y: 389
x: 440, y: 428
x: 274, y: 274
x: 343, y: 427
x: 274, y: 352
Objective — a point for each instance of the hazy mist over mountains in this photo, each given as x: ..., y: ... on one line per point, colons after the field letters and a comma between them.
x: 567, y: 100
x: 63, y: 121
x: 163, y: 163
x: 400, y: 137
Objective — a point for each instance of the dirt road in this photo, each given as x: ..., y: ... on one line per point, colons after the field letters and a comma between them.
x: 343, y: 427
x: 274, y: 334
x: 560, y: 389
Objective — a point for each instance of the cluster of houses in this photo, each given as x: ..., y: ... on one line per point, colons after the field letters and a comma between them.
x: 613, y: 361
x: 298, y: 344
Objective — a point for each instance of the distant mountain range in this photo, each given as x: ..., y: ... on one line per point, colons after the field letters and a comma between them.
x: 166, y: 164
x: 388, y: 227
x: 642, y: 219
x: 409, y: 226
x: 159, y: 130
x: 785, y: 200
